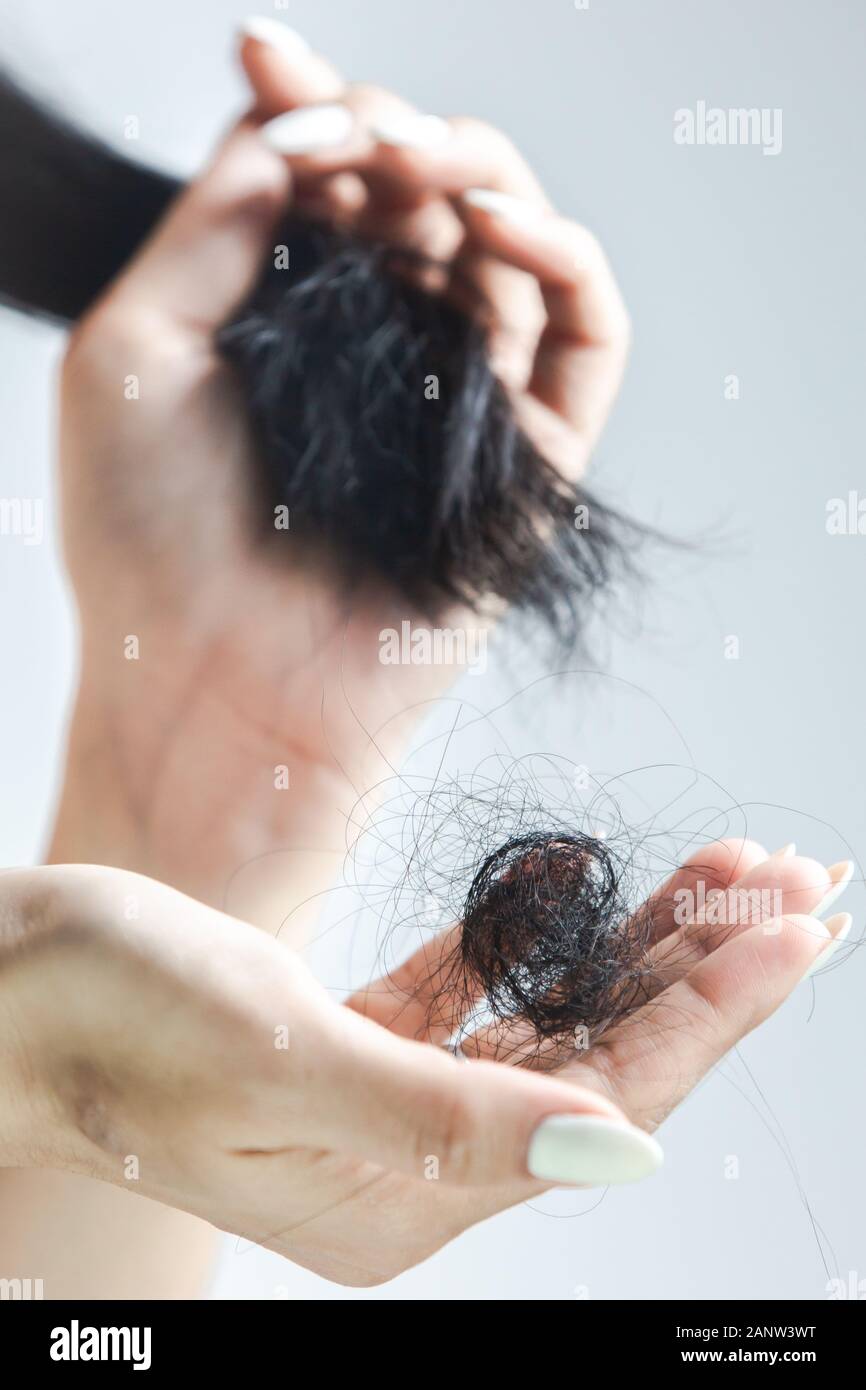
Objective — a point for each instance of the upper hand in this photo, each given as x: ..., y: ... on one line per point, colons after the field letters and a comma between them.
x: 245, y: 664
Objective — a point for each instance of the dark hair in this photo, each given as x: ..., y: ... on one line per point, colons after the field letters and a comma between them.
x: 551, y: 944
x: 379, y: 422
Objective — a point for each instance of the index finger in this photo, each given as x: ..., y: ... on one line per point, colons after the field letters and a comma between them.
x: 650, y: 1062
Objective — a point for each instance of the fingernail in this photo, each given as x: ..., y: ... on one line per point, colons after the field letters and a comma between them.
x: 309, y: 128
x: 412, y: 131
x: 503, y: 205
x: 591, y: 1150
x: 838, y: 927
x: 840, y: 876
x: 272, y: 32
x: 786, y: 852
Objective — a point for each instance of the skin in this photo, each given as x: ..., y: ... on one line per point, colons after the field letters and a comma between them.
x: 245, y: 663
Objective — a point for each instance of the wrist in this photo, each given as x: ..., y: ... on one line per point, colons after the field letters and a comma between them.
x: 215, y: 776
x: 206, y: 813
x: 97, y: 820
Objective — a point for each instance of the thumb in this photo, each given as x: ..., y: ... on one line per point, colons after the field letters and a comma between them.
x: 412, y: 1107
x: 206, y: 255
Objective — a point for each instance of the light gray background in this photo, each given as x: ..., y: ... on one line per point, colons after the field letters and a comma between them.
x: 732, y: 262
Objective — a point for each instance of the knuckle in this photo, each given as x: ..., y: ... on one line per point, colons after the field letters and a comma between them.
x: 368, y: 98
x: 402, y: 162
x: 484, y: 132
x: 260, y: 197
x: 704, y: 1007
x: 731, y: 856
x: 268, y: 196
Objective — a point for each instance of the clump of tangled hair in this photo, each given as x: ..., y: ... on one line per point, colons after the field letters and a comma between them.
x: 438, y: 495
x: 549, y: 941
x: 535, y: 922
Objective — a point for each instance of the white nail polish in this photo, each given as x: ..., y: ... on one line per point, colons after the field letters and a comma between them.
x: 278, y: 35
x: 411, y: 131
x: 845, y: 872
x: 308, y: 129
x: 591, y: 1150
x: 503, y: 205
x: 838, y: 927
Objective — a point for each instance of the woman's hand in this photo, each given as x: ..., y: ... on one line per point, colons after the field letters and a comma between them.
x: 196, y: 1061
x: 208, y: 665
x: 156, y: 1044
